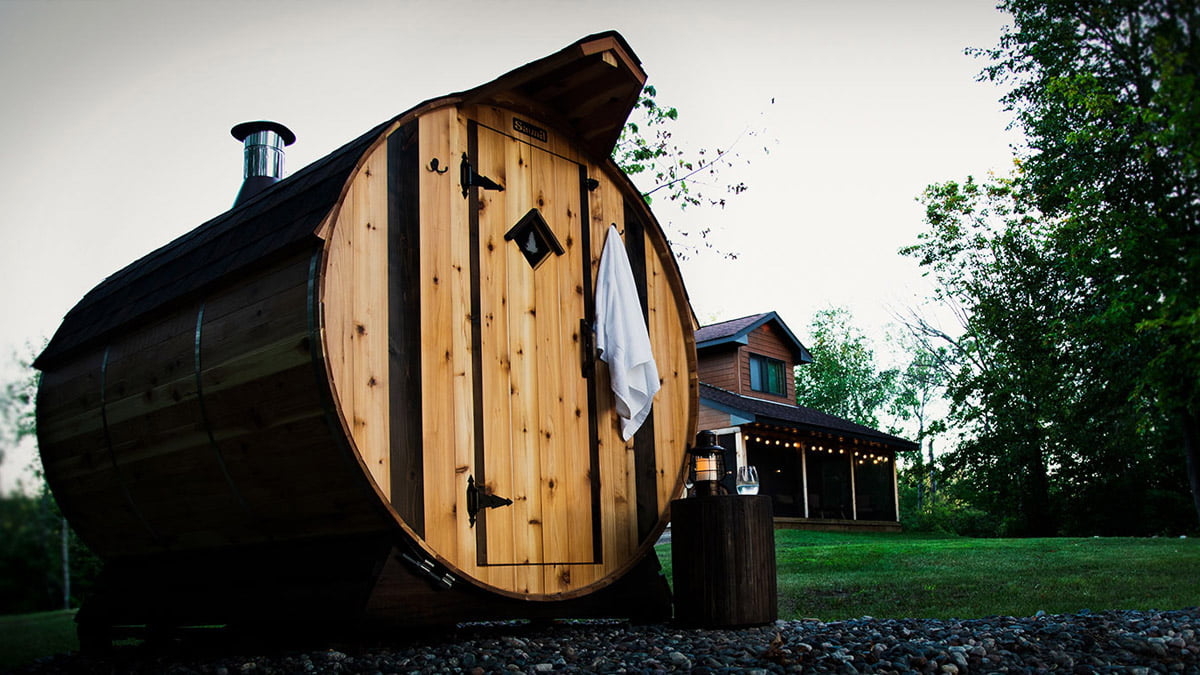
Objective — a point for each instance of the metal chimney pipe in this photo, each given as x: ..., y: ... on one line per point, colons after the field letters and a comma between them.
x: 264, y: 142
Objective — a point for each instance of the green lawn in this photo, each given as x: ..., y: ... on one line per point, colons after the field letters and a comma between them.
x: 840, y: 576
x: 25, y: 637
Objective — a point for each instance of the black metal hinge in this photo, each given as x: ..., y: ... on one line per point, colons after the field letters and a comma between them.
x: 470, y: 178
x: 477, y: 500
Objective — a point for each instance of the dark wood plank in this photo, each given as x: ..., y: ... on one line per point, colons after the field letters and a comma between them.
x: 589, y: 366
x: 404, y: 327
x: 645, y: 464
x: 730, y: 539
x: 477, y: 343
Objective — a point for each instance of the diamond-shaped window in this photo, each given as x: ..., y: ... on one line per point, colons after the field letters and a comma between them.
x: 534, y: 238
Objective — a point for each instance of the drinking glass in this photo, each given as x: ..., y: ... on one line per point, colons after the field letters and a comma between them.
x: 747, y: 480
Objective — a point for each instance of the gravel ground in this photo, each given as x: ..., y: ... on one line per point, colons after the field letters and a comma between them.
x: 1103, y: 642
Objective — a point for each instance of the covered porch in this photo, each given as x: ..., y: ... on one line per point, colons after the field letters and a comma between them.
x: 822, y: 472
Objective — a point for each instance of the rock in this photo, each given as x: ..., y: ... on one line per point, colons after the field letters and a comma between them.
x: 679, y: 660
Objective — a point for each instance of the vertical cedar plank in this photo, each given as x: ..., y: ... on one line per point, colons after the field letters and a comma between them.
x: 461, y: 354
x: 404, y: 326
x: 548, y: 369
x: 442, y: 518
x: 673, y: 405
x: 356, y: 323
x: 582, y: 471
x: 496, y: 531
x: 522, y: 303
x: 618, y: 496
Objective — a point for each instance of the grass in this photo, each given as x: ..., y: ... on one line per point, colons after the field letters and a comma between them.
x: 25, y: 637
x: 840, y: 576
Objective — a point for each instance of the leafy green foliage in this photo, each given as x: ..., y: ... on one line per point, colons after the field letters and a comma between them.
x: 1075, y: 372
x: 31, y: 564
x: 18, y: 420
x: 32, y: 574
x: 843, y: 379
x: 1002, y: 367
x: 647, y: 146
x: 648, y: 152
x: 1054, y: 436
x: 1107, y: 96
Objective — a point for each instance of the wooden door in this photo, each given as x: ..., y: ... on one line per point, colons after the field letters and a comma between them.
x: 534, y: 406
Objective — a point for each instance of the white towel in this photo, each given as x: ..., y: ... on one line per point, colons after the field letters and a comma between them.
x: 622, y: 337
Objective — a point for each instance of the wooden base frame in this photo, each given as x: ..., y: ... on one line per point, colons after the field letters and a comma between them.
x: 361, y: 587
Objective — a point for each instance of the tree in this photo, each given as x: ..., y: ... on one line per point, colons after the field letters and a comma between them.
x: 986, y: 252
x: 17, y: 414
x: 919, y: 388
x: 1108, y: 95
x: 1054, y: 437
x: 648, y: 152
x: 843, y: 379
x: 43, y: 564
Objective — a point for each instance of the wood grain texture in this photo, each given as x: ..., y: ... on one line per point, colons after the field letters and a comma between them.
x: 355, y: 294
x: 404, y: 327
x: 502, y: 393
x: 766, y: 341
x: 724, y: 553
x: 231, y: 399
x: 445, y: 511
x: 147, y: 467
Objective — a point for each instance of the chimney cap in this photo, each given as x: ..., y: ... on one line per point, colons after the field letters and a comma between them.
x: 241, y: 131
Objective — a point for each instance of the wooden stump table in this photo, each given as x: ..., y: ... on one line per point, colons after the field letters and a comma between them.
x: 723, y: 560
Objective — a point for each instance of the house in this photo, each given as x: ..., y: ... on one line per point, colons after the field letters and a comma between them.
x: 823, y: 472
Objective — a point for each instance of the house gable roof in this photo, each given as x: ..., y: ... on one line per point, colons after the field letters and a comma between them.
x: 590, y: 86
x: 737, y: 331
x: 795, y: 416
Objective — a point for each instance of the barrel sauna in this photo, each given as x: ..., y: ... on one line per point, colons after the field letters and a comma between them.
x: 370, y: 392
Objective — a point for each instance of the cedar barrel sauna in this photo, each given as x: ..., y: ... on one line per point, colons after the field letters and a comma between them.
x: 369, y: 393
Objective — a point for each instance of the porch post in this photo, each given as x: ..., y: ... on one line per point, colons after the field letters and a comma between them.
x: 804, y: 475
x: 853, y: 490
x: 896, y: 488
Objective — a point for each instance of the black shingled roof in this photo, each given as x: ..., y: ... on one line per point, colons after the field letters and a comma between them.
x: 726, y: 329
x: 738, y: 330
x: 795, y: 416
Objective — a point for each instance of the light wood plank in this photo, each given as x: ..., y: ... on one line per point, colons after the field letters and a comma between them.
x: 495, y: 356
x: 437, y: 312
x: 355, y: 313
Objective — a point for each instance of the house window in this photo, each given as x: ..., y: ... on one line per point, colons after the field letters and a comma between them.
x: 766, y: 375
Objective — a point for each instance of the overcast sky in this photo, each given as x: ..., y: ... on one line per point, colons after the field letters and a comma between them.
x: 115, y: 118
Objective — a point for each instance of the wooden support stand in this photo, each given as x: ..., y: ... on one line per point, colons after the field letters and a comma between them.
x: 354, y: 587
x: 723, y: 561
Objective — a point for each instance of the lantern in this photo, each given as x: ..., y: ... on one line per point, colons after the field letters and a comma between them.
x: 707, y: 465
